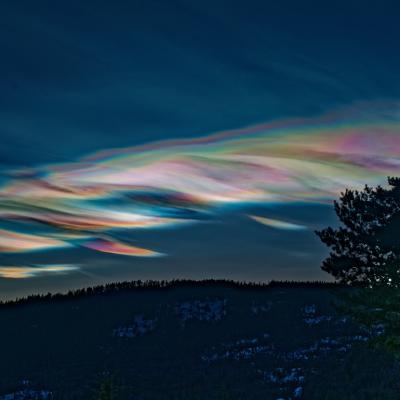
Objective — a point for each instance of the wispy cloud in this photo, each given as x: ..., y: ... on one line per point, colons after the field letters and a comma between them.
x: 177, y: 182
x: 15, y: 242
x: 22, y: 272
x: 278, y: 224
x: 114, y: 247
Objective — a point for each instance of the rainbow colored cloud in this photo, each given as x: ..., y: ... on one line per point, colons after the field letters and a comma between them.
x: 23, y: 272
x: 14, y: 242
x: 278, y: 224
x: 177, y: 182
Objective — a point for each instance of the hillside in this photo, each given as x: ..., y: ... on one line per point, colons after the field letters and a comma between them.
x: 190, y: 340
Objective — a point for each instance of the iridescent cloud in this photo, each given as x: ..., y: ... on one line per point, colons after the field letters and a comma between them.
x: 21, y: 272
x: 278, y: 224
x: 114, y: 247
x: 13, y: 242
x: 181, y: 181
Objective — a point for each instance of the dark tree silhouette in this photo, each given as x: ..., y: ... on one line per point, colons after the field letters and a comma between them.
x: 151, y: 285
x: 366, y: 250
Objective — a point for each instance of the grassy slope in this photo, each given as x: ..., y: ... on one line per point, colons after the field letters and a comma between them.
x: 67, y: 346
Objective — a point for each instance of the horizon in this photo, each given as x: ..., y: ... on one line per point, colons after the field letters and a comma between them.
x: 126, y: 286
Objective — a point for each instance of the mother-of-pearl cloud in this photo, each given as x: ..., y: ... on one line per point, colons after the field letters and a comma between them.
x: 278, y: 224
x: 23, y: 272
x: 179, y: 181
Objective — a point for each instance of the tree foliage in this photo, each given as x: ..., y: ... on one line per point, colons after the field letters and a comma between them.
x: 378, y: 309
x: 366, y: 248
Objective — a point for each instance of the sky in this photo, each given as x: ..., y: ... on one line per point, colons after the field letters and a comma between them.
x: 187, y: 139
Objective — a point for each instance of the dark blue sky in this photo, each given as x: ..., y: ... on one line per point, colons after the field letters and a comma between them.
x: 78, y: 75
x: 81, y: 76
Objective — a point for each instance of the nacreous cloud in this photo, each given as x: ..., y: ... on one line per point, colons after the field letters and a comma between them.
x: 178, y: 182
x: 22, y: 272
x: 278, y: 224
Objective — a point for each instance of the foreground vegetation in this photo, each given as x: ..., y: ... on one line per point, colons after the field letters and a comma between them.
x: 192, y: 340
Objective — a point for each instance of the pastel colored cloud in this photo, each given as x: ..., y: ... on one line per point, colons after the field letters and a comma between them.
x: 278, y: 224
x: 177, y: 182
x: 14, y: 242
x: 23, y: 272
x: 114, y: 247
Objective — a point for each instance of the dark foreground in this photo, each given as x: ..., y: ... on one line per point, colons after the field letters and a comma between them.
x: 191, y: 341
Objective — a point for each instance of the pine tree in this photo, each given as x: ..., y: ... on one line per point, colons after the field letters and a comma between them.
x: 366, y: 249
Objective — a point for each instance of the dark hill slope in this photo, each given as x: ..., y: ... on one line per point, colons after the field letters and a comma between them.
x: 208, y: 340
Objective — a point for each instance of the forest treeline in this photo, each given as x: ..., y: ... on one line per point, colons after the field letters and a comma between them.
x: 139, y: 285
